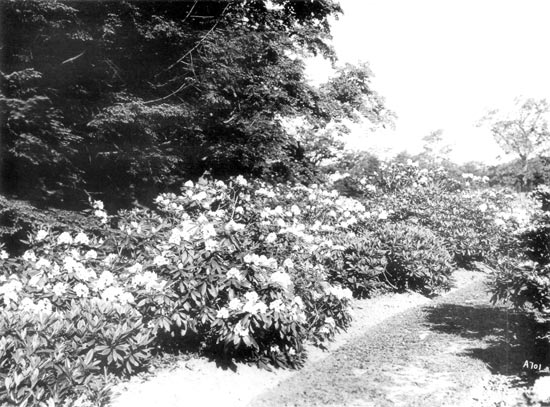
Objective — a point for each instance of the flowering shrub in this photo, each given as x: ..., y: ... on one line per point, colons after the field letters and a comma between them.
x: 525, y: 280
x: 253, y: 270
x: 221, y: 260
x: 416, y: 259
x: 394, y: 257
x: 473, y: 225
x: 536, y: 239
x: 361, y: 266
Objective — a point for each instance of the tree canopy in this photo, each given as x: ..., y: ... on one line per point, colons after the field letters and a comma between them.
x: 525, y: 131
x: 128, y: 98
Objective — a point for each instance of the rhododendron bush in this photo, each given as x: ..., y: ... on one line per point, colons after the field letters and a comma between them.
x: 223, y: 261
x: 474, y: 222
x: 525, y: 278
x: 251, y: 269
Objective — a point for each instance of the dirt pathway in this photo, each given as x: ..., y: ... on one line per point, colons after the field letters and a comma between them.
x: 459, y: 350
x: 401, y: 350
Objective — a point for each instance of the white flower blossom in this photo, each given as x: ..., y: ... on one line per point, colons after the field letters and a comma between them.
x: 297, y: 301
x: 295, y: 210
x: 126, y: 298
x: 281, y: 278
x: 235, y: 304
x: 136, y: 268
x: 175, y: 237
x: 240, y: 180
x: 148, y: 279
x: 59, y: 289
x: 41, y: 235
x: 90, y: 254
x: 261, y: 261
x: 110, y: 259
x: 98, y: 205
x: 277, y: 306
x: 160, y: 260
x: 383, y: 215
x: 251, y: 296
x: 253, y: 306
x: 233, y: 226
x: 210, y: 244
x: 111, y: 293
x: 288, y: 263
x: 70, y: 264
x: 208, y: 231
x: 371, y: 188
x: 55, y: 270
x: 27, y: 305
x: 10, y: 290
x: 85, y: 274
x: 271, y: 238
x: 4, y: 255
x: 222, y: 313
x: 81, y: 238
x: 29, y: 256
x: 44, y: 306
x: 339, y: 292
x: 105, y: 279
x: 64, y: 238
x: 235, y: 273
x: 199, y: 196
x: 75, y: 253
x: 101, y: 215
x: 81, y: 290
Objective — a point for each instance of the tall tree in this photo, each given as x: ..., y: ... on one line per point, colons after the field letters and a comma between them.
x: 435, y: 149
x: 347, y: 97
x: 524, y: 132
x: 123, y: 98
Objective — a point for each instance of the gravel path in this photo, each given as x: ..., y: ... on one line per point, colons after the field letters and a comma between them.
x: 401, y: 350
x: 458, y: 350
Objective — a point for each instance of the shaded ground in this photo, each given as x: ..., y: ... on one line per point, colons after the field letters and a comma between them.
x: 401, y: 350
x: 200, y: 381
x: 458, y: 350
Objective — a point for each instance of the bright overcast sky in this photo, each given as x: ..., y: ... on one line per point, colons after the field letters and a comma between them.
x: 441, y: 64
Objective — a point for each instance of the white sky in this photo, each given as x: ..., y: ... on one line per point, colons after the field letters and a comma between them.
x: 441, y: 64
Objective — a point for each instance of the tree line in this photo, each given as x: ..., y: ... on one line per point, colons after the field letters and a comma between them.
x: 123, y: 100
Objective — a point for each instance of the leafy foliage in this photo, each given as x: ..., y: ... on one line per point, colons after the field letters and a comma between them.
x: 524, y: 280
x: 251, y: 270
x: 160, y: 92
x: 524, y: 132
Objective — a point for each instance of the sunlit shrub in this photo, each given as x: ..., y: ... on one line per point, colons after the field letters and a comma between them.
x: 416, y: 259
x: 525, y: 279
x: 361, y: 266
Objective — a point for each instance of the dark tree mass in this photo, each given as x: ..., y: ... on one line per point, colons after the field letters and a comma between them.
x: 125, y: 99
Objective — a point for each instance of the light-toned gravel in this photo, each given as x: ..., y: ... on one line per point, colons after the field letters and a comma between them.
x: 200, y: 382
